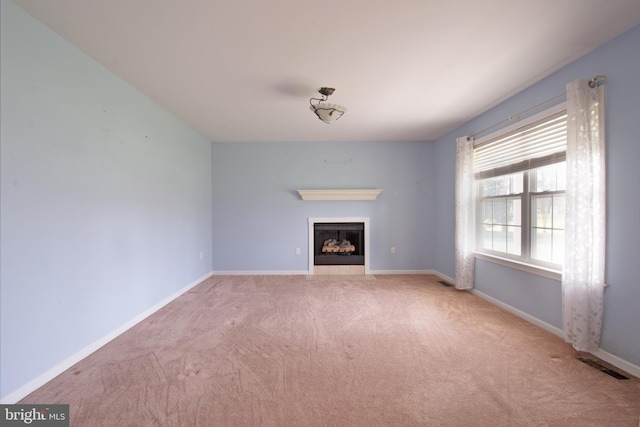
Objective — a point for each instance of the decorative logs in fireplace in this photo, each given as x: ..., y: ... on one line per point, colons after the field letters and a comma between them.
x: 342, y: 247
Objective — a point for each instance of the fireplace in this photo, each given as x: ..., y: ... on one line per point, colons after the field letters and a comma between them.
x: 339, y: 245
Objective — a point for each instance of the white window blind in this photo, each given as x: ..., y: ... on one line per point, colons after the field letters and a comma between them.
x: 535, y: 144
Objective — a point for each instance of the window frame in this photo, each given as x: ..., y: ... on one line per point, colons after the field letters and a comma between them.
x: 524, y: 260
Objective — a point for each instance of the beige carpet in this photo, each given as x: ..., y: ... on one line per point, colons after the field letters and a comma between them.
x: 287, y: 351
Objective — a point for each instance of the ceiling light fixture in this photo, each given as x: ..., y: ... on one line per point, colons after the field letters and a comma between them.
x: 325, y: 111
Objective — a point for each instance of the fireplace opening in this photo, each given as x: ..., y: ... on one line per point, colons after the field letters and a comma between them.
x: 338, y: 243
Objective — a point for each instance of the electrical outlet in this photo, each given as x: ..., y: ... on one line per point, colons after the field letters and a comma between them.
x: 393, y: 249
x: 297, y: 251
x: 200, y: 254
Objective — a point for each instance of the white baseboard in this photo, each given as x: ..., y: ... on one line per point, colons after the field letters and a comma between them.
x: 261, y: 273
x: 614, y: 360
x: 521, y: 314
x: 445, y: 277
x: 402, y: 272
x: 306, y: 272
x: 628, y: 367
x: 50, y: 374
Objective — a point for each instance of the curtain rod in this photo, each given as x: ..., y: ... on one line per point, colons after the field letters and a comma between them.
x: 593, y: 82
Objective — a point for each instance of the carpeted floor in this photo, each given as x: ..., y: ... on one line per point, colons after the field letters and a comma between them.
x: 286, y: 351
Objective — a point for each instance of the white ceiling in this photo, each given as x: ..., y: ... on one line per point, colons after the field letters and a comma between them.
x: 407, y: 70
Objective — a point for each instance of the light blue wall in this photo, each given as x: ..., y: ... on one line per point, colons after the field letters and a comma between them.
x: 619, y: 60
x: 259, y: 218
x: 106, y: 201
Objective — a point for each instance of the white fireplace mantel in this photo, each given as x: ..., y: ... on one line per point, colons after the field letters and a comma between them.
x: 341, y: 194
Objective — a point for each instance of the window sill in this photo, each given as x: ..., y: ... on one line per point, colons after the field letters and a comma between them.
x: 533, y: 269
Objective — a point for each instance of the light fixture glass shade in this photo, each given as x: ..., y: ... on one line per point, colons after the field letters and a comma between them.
x: 328, y: 112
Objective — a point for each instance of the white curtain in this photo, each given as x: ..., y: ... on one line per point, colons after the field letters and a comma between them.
x: 584, y: 263
x: 465, y: 214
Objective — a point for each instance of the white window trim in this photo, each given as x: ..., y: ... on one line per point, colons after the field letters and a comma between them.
x: 520, y: 265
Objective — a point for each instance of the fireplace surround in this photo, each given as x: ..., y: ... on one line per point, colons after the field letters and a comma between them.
x: 351, y: 230
x: 338, y: 243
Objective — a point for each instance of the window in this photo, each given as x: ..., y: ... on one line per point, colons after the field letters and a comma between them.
x: 520, y: 176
